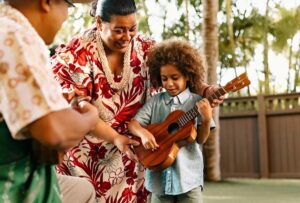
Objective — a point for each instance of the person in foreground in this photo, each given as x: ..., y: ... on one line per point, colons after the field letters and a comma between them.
x: 32, y: 107
x: 176, y: 66
x: 107, y: 65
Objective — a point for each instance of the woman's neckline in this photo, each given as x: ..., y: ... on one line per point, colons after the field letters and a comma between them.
x: 107, y: 71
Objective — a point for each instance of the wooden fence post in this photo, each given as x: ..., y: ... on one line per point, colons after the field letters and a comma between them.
x: 263, y: 138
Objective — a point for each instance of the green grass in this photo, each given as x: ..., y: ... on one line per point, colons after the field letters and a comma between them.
x: 253, y: 191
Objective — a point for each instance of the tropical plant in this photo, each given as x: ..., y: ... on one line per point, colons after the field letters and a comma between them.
x: 285, y: 30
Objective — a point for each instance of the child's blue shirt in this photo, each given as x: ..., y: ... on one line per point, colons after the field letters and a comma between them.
x: 186, y: 173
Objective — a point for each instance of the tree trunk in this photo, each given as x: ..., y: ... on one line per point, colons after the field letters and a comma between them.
x: 266, y: 51
x: 210, y: 38
x: 297, y: 71
x: 187, y: 25
x: 146, y: 14
x: 290, y: 67
x: 230, y: 34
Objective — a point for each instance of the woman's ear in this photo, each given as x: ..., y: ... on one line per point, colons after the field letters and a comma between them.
x: 99, y: 23
x: 44, y: 5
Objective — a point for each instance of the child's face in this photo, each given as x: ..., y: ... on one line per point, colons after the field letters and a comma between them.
x: 172, y: 79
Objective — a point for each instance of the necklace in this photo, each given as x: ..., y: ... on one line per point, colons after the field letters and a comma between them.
x: 109, y: 75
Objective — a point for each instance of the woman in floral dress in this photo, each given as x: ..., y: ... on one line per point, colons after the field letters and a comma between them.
x: 106, y: 65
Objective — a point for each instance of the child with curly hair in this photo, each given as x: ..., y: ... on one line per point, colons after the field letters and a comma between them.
x: 178, y: 67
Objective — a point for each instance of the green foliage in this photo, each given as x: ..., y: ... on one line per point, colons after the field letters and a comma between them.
x: 143, y: 24
x: 196, y: 3
x: 247, y: 34
x: 285, y: 28
x: 197, y: 6
x: 177, y: 29
x: 79, y: 19
x: 179, y: 2
x: 248, y: 29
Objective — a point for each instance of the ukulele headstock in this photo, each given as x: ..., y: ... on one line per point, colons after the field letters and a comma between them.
x: 237, y: 83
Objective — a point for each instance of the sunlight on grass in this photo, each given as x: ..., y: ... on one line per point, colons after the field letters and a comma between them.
x: 253, y: 191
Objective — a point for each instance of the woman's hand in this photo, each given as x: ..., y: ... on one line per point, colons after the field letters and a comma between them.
x: 148, y: 140
x: 124, y: 145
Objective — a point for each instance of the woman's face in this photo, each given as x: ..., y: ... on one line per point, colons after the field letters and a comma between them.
x: 117, y: 33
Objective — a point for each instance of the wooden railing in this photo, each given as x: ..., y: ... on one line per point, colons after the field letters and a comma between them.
x: 266, y: 130
x: 250, y: 104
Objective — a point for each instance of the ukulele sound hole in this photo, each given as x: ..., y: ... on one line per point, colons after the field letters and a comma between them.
x: 173, y: 128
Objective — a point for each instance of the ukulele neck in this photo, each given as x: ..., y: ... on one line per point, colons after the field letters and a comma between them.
x: 192, y: 114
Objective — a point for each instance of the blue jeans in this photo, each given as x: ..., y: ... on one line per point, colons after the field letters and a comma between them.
x: 193, y: 196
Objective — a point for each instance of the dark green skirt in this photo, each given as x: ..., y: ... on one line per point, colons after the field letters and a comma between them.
x: 21, y: 179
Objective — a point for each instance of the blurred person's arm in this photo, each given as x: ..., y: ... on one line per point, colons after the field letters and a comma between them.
x: 64, y: 128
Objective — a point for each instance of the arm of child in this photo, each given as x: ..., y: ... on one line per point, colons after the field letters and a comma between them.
x: 148, y: 140
x: 205, y: 111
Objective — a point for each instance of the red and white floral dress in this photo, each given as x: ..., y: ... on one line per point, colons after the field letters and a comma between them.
x: 77, y: 66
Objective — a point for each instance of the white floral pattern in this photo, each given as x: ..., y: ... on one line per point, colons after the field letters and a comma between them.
x: 27, y: 88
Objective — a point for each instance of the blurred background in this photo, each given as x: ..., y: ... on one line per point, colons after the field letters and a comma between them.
x: 259, y: 36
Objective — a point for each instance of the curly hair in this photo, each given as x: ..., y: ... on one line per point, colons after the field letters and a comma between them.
x: 180, y: 53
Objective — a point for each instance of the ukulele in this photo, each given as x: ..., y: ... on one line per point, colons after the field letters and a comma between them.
x: 178, y: 130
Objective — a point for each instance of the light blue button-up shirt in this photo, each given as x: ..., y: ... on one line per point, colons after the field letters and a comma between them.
x: 186, y: 173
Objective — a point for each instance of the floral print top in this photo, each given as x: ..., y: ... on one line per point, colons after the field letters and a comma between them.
x: 77, y: 67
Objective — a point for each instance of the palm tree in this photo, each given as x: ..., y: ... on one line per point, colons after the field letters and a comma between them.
x: 187, y: 27
x: 230, y: 33
x: 143, y: 19
x: 210, y: 39
x: 266, y: 51
x: 284, y: 31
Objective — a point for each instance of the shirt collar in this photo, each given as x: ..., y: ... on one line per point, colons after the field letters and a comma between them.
x: 179, y: 99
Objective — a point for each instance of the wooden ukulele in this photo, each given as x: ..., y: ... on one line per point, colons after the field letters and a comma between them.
x: 178, y: 130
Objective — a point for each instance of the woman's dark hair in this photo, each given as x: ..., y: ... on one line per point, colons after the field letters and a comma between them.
x: 180, y: 53
x: 107, y: 8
